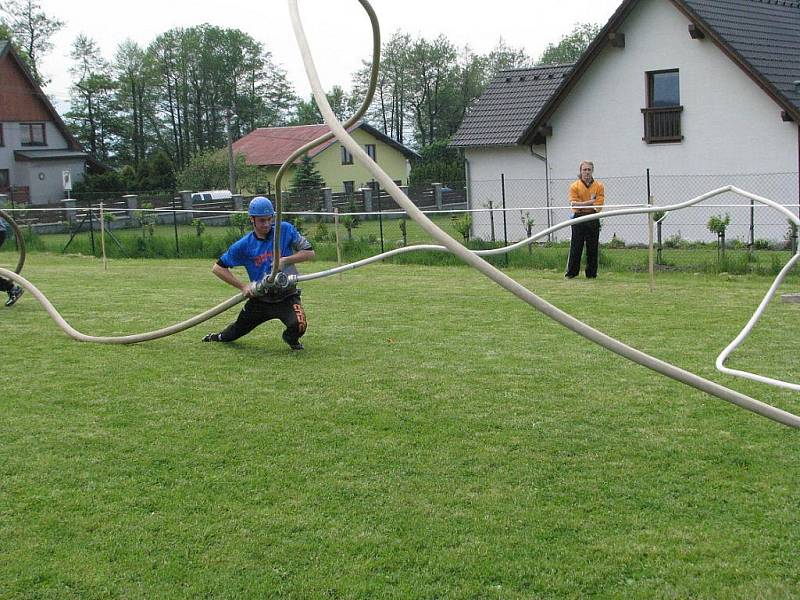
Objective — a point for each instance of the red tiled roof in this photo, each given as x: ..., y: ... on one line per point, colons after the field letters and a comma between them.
x: 273, y: 145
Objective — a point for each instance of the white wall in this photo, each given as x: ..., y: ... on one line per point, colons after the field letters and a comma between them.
x: 49, y: 187
x: 525, y: 186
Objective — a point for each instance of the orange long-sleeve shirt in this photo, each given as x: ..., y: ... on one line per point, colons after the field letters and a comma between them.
x: 580, y: 192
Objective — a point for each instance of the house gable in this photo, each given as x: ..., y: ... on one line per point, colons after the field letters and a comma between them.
x: 19, y: 101
x: 724, y: 117
x: 23, y: 100
x: 772, y: 62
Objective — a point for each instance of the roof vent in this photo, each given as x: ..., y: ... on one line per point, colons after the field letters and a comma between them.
x: 535, y: 77
x: 522, y: 77
x: 508, y: 79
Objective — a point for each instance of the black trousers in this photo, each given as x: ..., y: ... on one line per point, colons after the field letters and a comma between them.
x: 5, y: 284
x: 256, y: 312
x: 587, y: 234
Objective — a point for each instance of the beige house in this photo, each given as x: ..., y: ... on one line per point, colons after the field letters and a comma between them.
x: 269, y: 147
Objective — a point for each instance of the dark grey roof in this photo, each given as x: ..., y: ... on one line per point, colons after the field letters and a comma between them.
x: 509, y: 105
x: 764, y: 33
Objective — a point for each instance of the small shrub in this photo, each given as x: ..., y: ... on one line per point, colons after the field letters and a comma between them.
x: 199, y: 226
x: 762, y: 244
x: 717, y: 224
x: 239, y: 220
x: 462, y: 224
x: 675, y: 241
x: 322, y: 234
x: 616, y: 243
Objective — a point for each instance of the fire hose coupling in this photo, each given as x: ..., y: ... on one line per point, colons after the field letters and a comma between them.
x: 282, y: 281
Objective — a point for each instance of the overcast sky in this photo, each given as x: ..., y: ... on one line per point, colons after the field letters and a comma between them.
x: 338, y: 30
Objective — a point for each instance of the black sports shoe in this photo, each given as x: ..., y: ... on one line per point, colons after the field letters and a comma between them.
x: 293, y: 344
x: 212, y: 337
x: 14, y: 295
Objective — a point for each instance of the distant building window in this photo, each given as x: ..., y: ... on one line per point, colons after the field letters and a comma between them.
x: 349, y: 187
x: 5, y: 182
x: 32, y: 134
x: 662, y: 117
x: 370, y: 148
x: 347, y: 158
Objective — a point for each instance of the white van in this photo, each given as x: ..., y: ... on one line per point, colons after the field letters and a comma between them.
x: 211, y: 196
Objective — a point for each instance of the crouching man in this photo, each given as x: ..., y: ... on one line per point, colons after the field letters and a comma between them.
x: 254, y: 253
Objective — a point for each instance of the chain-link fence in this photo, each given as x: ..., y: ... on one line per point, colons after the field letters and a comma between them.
x: 485, y: 214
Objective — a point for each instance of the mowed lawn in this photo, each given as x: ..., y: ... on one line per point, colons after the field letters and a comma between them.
x: 437, y: 438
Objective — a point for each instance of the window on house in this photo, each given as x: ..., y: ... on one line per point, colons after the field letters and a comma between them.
x: 2, y: 143
x: 32, y: 134
x: 662, y: 117
x: 349, y: 187
x: 370, y: 148
x: 5, y: 182
x: 347, y: 158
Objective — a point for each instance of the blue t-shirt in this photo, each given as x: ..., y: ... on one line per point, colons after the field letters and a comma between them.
x: 255, y: 255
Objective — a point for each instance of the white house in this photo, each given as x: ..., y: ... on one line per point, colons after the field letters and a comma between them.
x: 36, y: 148
x: 702, y: 93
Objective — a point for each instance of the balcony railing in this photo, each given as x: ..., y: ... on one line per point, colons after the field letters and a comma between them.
x: 662, y: 124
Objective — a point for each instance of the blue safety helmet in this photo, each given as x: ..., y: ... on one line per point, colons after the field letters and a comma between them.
x: 260, y: 207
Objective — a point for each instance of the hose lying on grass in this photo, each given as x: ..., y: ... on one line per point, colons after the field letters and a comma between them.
x: 473, y: 258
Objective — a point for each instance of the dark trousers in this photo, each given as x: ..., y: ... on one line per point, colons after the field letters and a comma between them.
x: 256, y: 312
x: 587, y: 233
x: 5, y: 284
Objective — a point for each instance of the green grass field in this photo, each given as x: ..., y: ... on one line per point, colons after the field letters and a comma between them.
x: 436, y: 439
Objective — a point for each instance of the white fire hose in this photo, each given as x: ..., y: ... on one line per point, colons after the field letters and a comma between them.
x: 473, y: 258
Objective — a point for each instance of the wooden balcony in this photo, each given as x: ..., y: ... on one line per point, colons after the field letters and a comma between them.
x: 662, y: 125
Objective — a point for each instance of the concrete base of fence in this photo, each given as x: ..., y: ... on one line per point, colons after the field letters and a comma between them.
x: 791, y: 298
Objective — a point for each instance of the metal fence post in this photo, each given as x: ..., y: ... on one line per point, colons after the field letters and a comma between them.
x: 505, y: 224
x: 380, y: 219
x: 491, y: 219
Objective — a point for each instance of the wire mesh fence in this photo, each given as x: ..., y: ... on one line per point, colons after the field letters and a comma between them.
x: 484, y: 214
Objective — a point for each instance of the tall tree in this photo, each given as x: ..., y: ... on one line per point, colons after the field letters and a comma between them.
x: 133, y: 83
x: 571, y: 46
x: 425, y: 87
x: 343, y: 105
x: 32, y: 31
x: 204, y: 71
x: 432, y: 69
x: 91, y: 104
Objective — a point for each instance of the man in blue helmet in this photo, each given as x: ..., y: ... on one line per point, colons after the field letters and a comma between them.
x: 254, y: 253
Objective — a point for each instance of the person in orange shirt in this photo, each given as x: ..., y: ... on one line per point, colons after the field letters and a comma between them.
x: 586, y: 197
